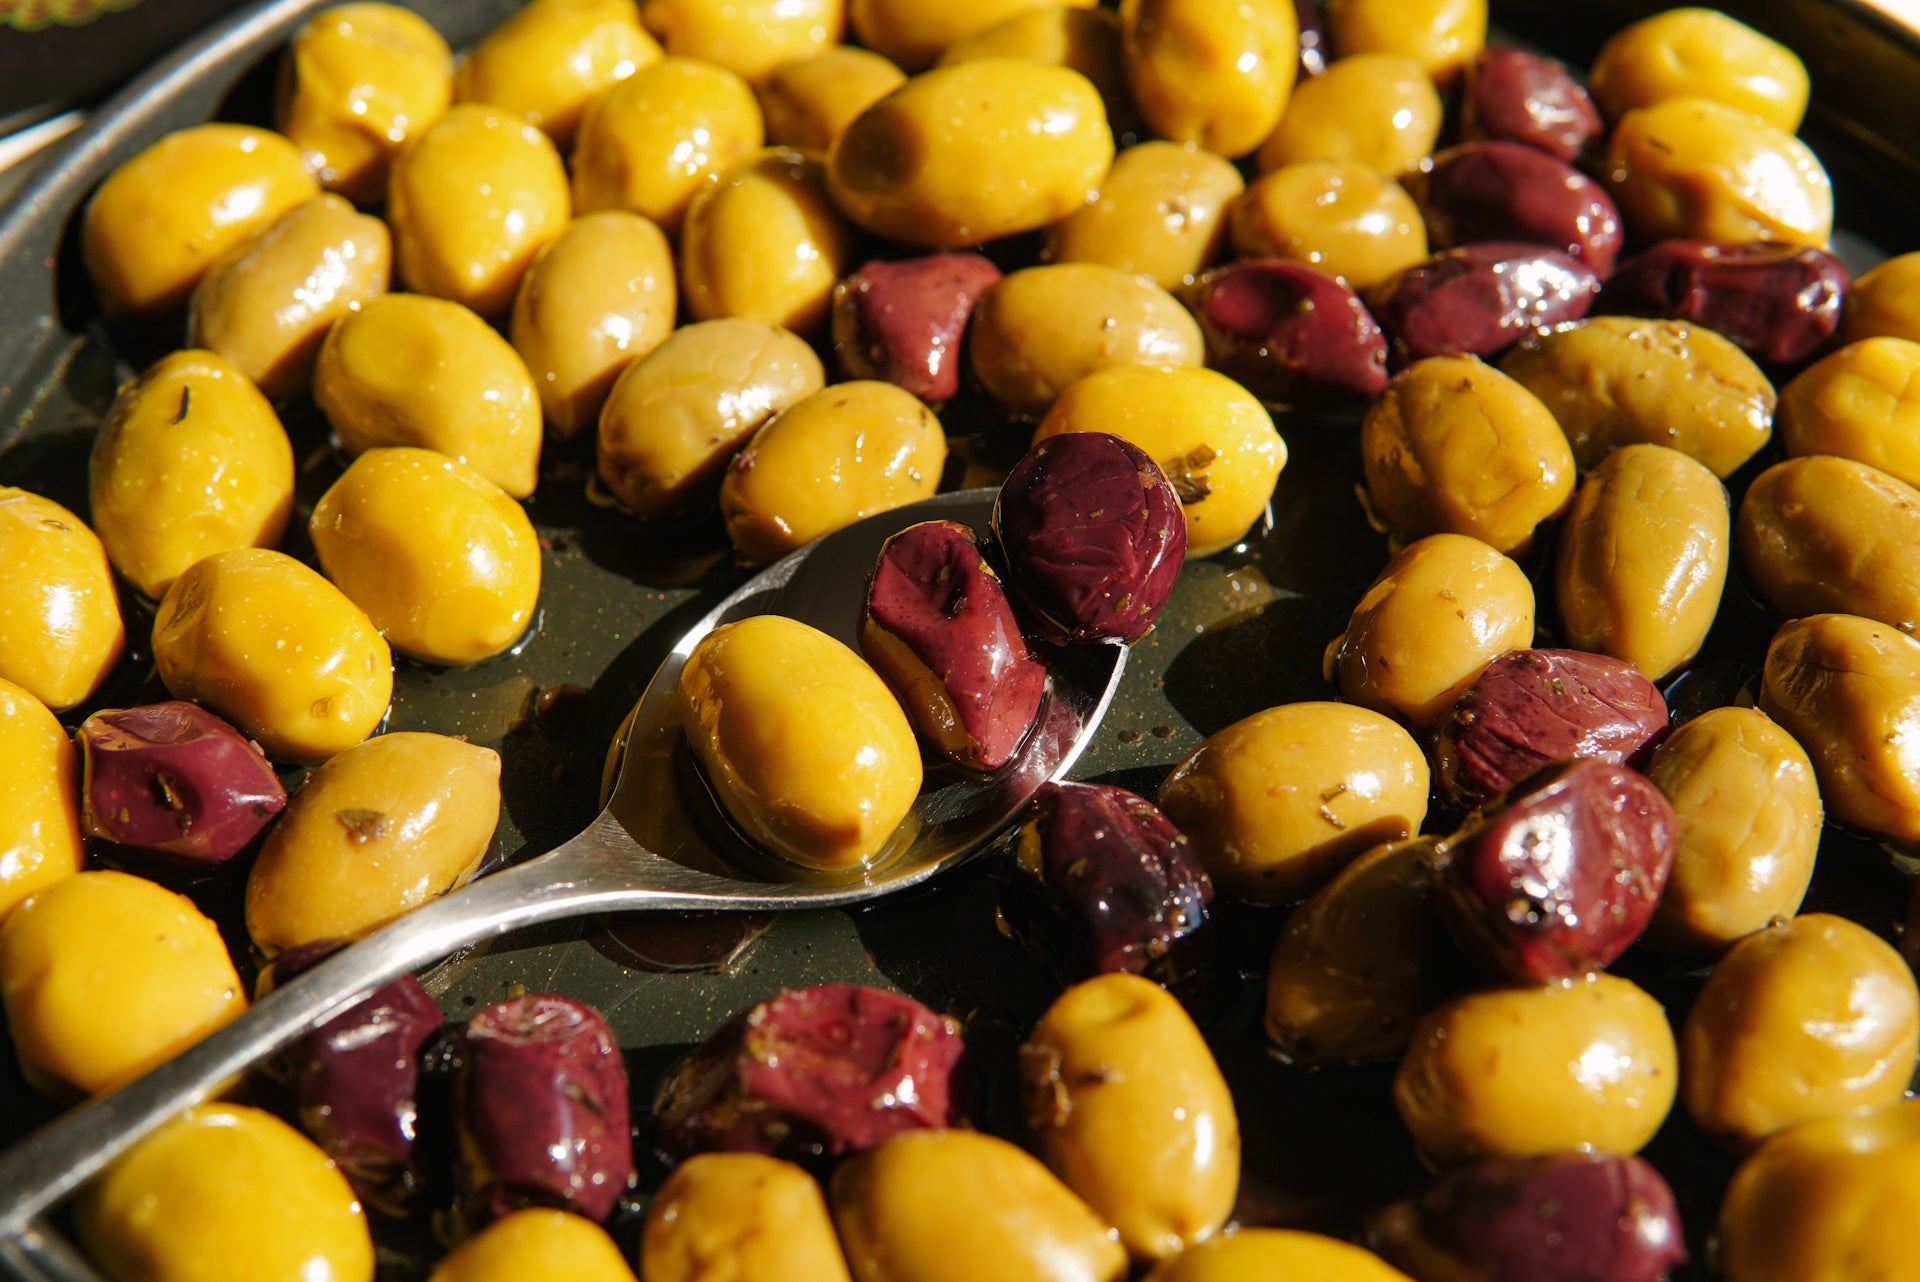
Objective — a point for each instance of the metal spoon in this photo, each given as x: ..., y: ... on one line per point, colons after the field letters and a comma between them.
x: 642, y: 852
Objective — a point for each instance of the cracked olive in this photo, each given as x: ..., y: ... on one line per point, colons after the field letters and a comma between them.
x: 1378, y: 109
x: 1700, y: 53
x: 60, y: 626
x: 1339, y: 216
x: 1161, y: 214
x: 1822, y: 534
x: 811, y: 100
x: 902, y: 321
x: 746, y: 1216
x: 1862, y: 402
x: 550, y: 58
x: 1293, y: 336
x: 40, y: 838
x: 1779, y: 303
x: 533, y: 1243
x: 763, y: 241
x: 1215, y: 72
x: 1480, y: 299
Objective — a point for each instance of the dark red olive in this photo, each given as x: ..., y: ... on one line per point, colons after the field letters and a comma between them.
x: 1479, y: 300
x: 173, y: 779
x: 1315, y: 51
x: 1530, y: 707
x: 542, y: 1110
x: 1092, y: 536
x: 1779, y: 303
x: 1289, y: 334
x: 1566, y: 1217
x: 1561, y: 874
x: 939, y: 629
x: 1517, y: 96
x: 902, y: 321
x: 814, y: 1073
x: 356, y: 1080
x: 1509, y: 191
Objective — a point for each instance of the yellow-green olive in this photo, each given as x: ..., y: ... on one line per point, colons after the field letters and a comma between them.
x: 824, y: 462
x: 598, y: 298
x: 1276, y: 1253
x: 1642, y: 559
x: 1441, y: 35
x: 748, y: 37
x: 1701, y: 53
x: 105, y: 975
x: 675, y: 418
x: 1280, y: 801
x: 1883, y: 302
x: 225, y: 1193
x: 1215, y: 72
x: 1375, y: 109
x: 1831, y: 1201
x: 1086, y: 40
x: 650, y: 142
x: 1516, y: 1072
x: 267, y: 303
x: 443, y: 562
x: 913, y: 33
x: 1444, y: 608
x: 162, y: 218
x: 765, y: 242
x: 1810, y: 1018
x: 39, y: 799
x: 377, y: 831
x: 1750, y: 816
x: 538, y: 1242
x: 1456, y: 447
x: 973, y: 152
x: 1039, y: 330
x: 953, y: 1206
x: 811, y: 100
x: 411, y: 370
x: 1848, y: 690
x: 1616, y: 380
x: 1212, y: 438
x: 274, y: 648
x: 1695, y: 168
x: 190, y: 461
x: 1160, y: 214
x: 1340, y: 216
x: 471, y: 201
x: 1862, y: 402
x: 802, y: 741
x: 358, y: 80
x: 1824, y: 534
x: 1130, y: 1110
x: 60, y: 628
x: 549, y: 59
x: 745, y: 1217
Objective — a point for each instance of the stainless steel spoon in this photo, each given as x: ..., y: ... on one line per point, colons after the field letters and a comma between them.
x: 642, y: 852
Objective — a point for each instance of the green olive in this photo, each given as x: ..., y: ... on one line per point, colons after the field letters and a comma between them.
x: 39, y: 799
x: 1160, y: 214
x: 1750, y: 818
x: 267, y: 303
x: 675, y: 418
x: 1130, y: 1110
x: 1276, y: 1253
x: 1516, y: 1072
x: 1441, y: 35
x: 1825, y: 534
x: 538, y: 1242
x: 826, y: 461
x: 1038, y: 330
x: 550, y: 58
x: 1643, y: 558
x: 1617, y: 380
x: 60, y: 627
x: 1702, y: 53
x: 810, y: 101
x: 765, y: 242
x: 954, y: 1206
x: 750, y: 38
x: 1339, y: 216
x: 104, y: 976
x: 1862, y: 402
x: 1883, y: 302
x: 744, y: 1216
x: 598, y: 298
x: 411, y: 370
x: 1215, y: 72
x: 915, y: 32
x: 274, y: 648
x: 373, y: 834
x: 1376, y: 109
x: 1087, y: 40
x: 1443, y: 609
x: 1454, y: 446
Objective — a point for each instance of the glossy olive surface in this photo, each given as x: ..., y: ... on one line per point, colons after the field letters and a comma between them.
x: 60, y: 625
x: 1821, y: 534
x: 757, y: 1217
x: 1779, y: 303
x: 550, y: 59
x: 40, y: 839
x: 535, y: 1240
x: 1291, y: 335
x: 1860, y: 402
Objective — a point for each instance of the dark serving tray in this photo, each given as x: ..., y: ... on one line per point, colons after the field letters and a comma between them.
x: 1244, y: 631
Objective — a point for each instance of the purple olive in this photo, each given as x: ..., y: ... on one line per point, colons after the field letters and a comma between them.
x: 1778, y: 303
x: 902, y: 321
x: 1289, y: 334
x: 939, y: 629
x: 815, y: 1072
x: 1560, y: 875
x: 543, y: 1115
x: 356, y: 1079
x: 1566, y: 1217
x: 1517, y: 96
x: 175, y: 780
x: 1530, y: 707
x: 1315, y: 50
x: 1092, y: 536
x: 1479, y: 300
x: 1508, y: 191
